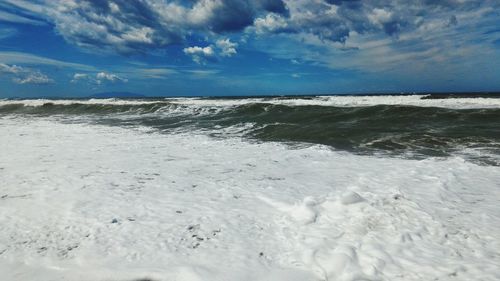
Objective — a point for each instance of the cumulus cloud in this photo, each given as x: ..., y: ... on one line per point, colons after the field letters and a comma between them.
x: 200, y: 54
x: 270, y: 23
x: 226, y: 47
x: 223, y: 48
x: 23, y: 75
x: 97, y: 78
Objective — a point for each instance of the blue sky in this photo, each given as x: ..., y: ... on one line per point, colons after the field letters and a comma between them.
x: 240, y: 47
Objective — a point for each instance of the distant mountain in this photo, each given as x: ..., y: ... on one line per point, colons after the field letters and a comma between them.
x: 108, y: 95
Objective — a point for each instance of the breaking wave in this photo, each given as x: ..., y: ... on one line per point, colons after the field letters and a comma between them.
x: 408, y: 126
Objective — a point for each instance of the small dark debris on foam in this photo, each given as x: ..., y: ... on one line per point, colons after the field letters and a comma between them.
x: 114, y: 220
x: 193, y: 227
x: 5, y: 196
x: 42, y: 249
x: 197, y: 238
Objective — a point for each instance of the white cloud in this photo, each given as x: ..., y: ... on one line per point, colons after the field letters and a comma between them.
x: 205, y: 51
x: 10, y: 69
x: 23, y: 75
x: 222, y: 48
x: 155, y: 73
x: 203, y: 10
x: 79, y: 77
x: 270, y: 23
x: 34, y: 78
x: 202, y: 72
x: 25, y: 58
x: 200, y: 54
x: 227, y: 48
x: 9, y: 17
x: 108, y: 77
x: 98, y: 78
x: 379, y: 16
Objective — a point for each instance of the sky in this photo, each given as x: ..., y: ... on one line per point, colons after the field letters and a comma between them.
x: 70, y: 48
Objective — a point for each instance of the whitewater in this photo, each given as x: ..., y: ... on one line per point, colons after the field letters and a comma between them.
x: 87, y: 200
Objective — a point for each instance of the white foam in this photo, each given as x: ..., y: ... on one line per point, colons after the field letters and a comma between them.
x: 354, y: 101
x: 89, y: 202
x: 351, y: 197
x: 339, y: 101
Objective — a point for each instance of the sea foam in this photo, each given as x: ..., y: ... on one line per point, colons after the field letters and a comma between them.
x: 339, y: 101
x: 94, y: 202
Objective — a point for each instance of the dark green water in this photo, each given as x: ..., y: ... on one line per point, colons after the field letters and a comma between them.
x: 398, y: 130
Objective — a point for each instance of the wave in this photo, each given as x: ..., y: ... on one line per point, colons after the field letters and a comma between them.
x: 396, y: 129
x: 466, y: 102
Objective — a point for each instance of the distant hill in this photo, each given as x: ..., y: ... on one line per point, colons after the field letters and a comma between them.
x: 108, y: 95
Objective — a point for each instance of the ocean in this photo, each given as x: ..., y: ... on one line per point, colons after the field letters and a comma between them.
x: 380, y: 187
